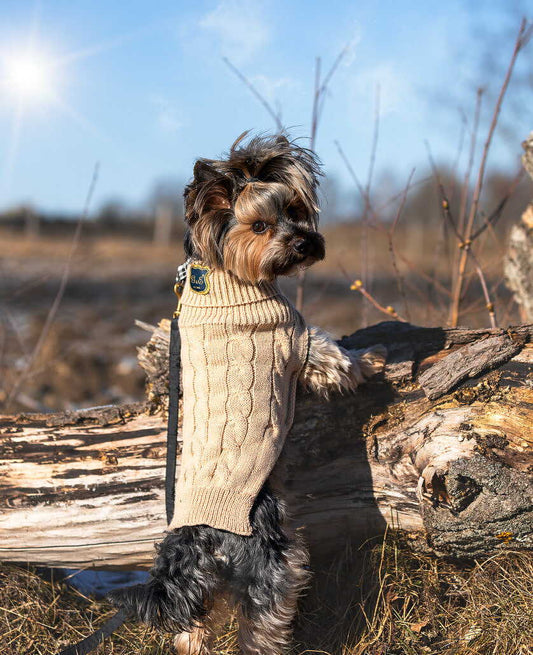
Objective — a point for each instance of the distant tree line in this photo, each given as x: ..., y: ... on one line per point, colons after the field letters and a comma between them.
x: 160, y: 217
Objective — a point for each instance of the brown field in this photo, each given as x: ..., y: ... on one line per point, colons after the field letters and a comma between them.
x: 89, y: 355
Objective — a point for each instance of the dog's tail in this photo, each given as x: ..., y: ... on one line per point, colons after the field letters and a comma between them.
x: 135, y: 602
x: 141, y: 602
x: 177, y: 596
x: 151, y: 603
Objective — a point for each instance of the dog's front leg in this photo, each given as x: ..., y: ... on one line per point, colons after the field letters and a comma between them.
x: 332, y: 368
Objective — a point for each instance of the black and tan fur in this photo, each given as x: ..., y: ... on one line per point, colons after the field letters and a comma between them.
x: 255, y: 213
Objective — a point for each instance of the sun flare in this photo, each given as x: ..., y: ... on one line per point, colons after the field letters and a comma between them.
x: 29, y: 77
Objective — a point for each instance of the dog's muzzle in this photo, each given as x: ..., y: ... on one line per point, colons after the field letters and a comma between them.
x: 310, y: 245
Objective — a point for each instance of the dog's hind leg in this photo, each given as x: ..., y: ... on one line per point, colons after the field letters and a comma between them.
x: 265, y: 614
x: 192, y: 643
x: 200, y: 640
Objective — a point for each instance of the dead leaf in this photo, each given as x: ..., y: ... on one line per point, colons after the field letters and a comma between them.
x: 417, y: 627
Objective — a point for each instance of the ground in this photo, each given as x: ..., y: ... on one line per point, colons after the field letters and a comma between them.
x: 393, y: 603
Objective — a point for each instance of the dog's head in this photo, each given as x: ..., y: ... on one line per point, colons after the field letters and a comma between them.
x: 255, y: 212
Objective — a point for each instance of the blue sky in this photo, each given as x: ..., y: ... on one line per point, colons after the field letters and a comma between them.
x: 141, y: 87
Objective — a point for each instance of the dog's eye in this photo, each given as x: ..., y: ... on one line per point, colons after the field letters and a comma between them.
x: 259, y: 226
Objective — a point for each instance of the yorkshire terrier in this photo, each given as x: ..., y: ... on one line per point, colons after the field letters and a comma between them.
x: 254, y: 216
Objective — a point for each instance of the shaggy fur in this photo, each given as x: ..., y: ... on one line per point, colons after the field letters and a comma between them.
x: 262, y: 575
x: 332, y: 368
x: 255, y: 213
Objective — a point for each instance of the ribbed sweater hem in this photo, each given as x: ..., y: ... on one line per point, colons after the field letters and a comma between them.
x: 224, y: 509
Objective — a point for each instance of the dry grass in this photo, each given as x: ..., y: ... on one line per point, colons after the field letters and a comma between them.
x: 424, y: 605
x: 38, y: 617
x: 394, y: 603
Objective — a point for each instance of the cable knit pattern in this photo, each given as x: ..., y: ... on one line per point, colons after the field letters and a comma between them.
x: 242, y: 347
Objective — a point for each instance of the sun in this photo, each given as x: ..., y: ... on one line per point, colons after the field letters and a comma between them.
x: 29, y: 77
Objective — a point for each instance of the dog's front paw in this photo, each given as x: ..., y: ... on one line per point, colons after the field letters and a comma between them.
x: 333, y: 368
x: 366, y: 362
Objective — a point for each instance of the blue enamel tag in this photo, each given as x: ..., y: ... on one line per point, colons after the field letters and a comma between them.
x: 199, y: 279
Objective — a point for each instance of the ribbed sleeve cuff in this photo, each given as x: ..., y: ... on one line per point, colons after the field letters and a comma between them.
x: 224, y: 509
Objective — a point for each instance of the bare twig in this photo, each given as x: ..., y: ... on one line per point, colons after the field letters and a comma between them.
x: 397, y: 196
x: 375, y: 140
x: 299, y: 302
x: 316, y: 101
x: 357, y: 285
x: 488, y: 227
x: 488, y: 302
x: 495, y: 215
x: 466, y: 188
x: 329, y: 75
x: 352, y: 173
x: 468, y: 171
x: 321, y: 90
x: 377, y: 224
x: 447, y: 215
x: 60, y: 292
x: 366, y: 208
x: 425, y: 276
x: 524, y: 34
x: 319, y: 94
x: 275, y: 115
x: 390, y: 237
x: 365, y: 195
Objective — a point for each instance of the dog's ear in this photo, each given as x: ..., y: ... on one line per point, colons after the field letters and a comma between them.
x: 208, y: 201
x: 210, y: 190
x: 204, y: 171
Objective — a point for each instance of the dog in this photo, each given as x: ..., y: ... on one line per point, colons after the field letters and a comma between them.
x: 251, y: 216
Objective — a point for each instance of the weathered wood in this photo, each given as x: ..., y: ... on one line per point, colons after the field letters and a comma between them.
x: 518, y: 262
x: 86, y: 489
x: 469, y: 362
x: 153, y: 358
x: 82, y: 490
x: 527, y: 157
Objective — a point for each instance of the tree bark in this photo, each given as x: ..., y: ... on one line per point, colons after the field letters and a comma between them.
x: 439, y: 446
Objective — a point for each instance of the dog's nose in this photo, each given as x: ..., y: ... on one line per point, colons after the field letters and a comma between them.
x: 310, y: 244
x: 301, y: 246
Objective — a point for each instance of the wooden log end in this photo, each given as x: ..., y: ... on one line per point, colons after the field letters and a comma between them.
x: 488, y: 506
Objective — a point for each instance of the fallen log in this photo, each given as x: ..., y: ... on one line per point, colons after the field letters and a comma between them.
x: 439, y: 446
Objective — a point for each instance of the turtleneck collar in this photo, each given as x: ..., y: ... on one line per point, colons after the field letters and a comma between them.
x: 213, y: 287
x: 214, y: 296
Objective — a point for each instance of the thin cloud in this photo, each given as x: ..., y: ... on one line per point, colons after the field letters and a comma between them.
x: 166, y: 115
x: 351, y: 45
x: 239, y: 27
x: 271, y: 87
x: 395, y: 90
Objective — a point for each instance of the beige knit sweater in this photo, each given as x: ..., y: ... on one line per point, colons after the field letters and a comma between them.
x: 243, y: 347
